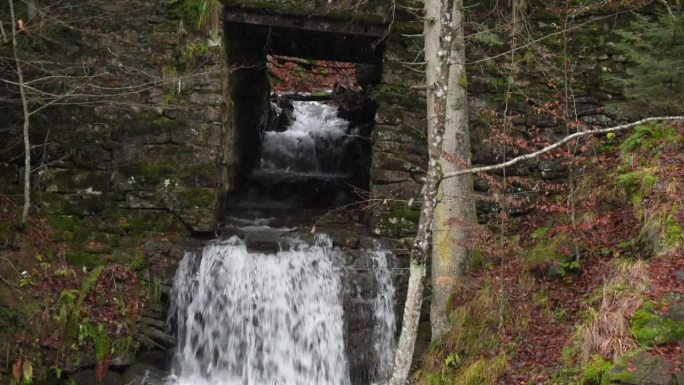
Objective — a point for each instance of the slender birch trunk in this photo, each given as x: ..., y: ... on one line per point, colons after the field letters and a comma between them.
x: 454, y: 210
x: 27, y: 118
x: 435, y: 76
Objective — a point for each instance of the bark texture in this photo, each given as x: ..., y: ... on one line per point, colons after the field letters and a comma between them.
x: 455, y: 208
x: 27, y: 117
x: 436, y: 88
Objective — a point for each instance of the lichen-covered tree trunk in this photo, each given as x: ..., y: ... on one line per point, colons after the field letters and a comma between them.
x: 454, y: 210
x: 435, y: 77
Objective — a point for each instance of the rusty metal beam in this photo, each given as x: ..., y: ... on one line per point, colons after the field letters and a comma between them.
x: 305, y: 23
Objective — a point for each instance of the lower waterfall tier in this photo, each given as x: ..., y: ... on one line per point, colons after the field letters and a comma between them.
x: 264, y: 319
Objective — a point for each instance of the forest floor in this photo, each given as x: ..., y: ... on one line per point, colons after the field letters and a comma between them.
x: 577, y: 303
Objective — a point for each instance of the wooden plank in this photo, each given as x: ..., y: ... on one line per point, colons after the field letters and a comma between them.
x: 305, y: 23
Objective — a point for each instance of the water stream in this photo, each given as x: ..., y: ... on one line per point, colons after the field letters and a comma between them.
x: 278, y: 318
x: 249, y: 318
x: 314, y: 144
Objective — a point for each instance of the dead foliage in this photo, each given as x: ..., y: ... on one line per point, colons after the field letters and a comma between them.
x: 608, y: 333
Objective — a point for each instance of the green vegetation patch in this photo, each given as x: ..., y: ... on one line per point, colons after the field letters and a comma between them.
x: 637, y: 184
x: 594, y: 370
x: 558, y: 248
x: 470, y: 354
x: 648, y: 137
x: 652, y: 327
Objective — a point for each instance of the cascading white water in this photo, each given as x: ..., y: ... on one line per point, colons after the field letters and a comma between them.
x: 245, y: 318
x: 313, y: 144
x: 384, y: 324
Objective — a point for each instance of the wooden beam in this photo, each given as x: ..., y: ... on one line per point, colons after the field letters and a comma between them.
x: 305, y: 23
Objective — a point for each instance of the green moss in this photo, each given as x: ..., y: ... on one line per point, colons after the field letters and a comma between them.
x: 651, y: 328
x: 660, y: 232
x: 201, y: 14
x: 637, y: 183
x: 594, y: 370
x: 399, y: 221
x: 673, y: 232
x: 198, y: 197
x: 463, y: 80
x: 138, y: 261
x: 81, y: 258
x: 466, y: 352
x: 558, y: 248
x: 63, y: 222
x: 539, y: 232
x: 10, y: 319
x: 477, y: 260
x: 485, y: 371
x: 6, y: 232
x: 151, y: 172
x: 648, y: 137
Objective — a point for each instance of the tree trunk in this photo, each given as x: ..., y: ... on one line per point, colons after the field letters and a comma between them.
x: 403, y: 355
x: 27, y: 118
x: 436, y: 88
x: 454, y: 209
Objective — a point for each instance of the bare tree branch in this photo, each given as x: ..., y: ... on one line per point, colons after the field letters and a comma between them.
x: 553, y: 146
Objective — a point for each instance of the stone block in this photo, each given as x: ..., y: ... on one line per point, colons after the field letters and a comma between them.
x: 206, y: 99
x: 381, y: 176
x: 90, y: 156
x: 146, y: 128
x: 396, y: 221
x: 71, y: 204
x: 72, y: 180
x: 396, y: 161
x: 195, y: 206
x: 400, y: 190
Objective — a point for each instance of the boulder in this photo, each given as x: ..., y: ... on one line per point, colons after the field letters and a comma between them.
x: 87, y: 377
x: 140, y: 374
x: 643, y: 369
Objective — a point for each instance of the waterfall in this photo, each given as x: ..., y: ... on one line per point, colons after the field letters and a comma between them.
x: 248, y: 318
x: 384, y: 324
x: 314, y: 144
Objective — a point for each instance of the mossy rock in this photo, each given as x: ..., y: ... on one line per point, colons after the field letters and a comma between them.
x: 398, y: 221
x: 75, y: 180
x: 651, y: 327
x: 558, y: 248
x: 72, y: 204
x: 80, y: 258
x: 640, y: 369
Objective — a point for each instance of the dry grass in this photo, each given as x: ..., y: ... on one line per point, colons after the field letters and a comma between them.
x: 608, y: 333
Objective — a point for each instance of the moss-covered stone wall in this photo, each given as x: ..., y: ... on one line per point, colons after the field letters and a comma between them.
x: 152, y: 143
x: 165, y: 141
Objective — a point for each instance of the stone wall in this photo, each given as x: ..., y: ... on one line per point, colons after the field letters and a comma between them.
x: 152, y: 145
x: 535, y: 83
x: 168, y: 145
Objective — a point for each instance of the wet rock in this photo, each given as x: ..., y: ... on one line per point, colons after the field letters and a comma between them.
x: 157, y: 337
x: 155, y: 358
x: 87, y: 377
x: 140, y: 374
x: 125, y: 359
